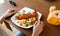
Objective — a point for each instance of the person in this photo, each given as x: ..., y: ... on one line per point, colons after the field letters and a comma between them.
x: 38, y: 26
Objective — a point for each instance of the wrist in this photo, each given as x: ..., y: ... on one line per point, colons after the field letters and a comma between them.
x: 35, y: 34
x: 5, y: 15
x: 2, y: 17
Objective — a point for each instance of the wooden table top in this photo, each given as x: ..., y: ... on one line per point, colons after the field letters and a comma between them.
x: 40, y: 5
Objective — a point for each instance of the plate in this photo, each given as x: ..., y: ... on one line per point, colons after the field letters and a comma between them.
x: 15, y: 21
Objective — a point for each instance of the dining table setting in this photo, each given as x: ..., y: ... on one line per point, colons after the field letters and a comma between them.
x: 30, y: 11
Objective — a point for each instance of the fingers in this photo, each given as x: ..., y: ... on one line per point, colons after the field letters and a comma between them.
x: 42, y: 24
x: 39, y: 24
x: 12, y: 10
x: 35, y: 23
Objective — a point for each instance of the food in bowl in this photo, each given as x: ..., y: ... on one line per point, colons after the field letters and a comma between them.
x: 26, y: 19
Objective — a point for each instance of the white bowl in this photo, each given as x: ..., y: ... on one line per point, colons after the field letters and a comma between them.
x: 13, y: 18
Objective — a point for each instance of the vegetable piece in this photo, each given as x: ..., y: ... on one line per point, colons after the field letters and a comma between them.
x: 29, y: 15
x: 21, y: 24
x: 26, y: 25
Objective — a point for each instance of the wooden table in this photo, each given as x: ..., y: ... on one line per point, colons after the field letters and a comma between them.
x: 40, y: 5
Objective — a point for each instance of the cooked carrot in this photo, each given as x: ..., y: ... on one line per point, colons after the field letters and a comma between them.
x: 29, y: 15
x: 24, y: 16
x: 34, y: 14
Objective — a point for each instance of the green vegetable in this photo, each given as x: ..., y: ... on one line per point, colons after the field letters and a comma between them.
x: 27, y: 22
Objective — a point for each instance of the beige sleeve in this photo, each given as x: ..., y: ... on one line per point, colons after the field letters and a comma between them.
x: 6, y: 30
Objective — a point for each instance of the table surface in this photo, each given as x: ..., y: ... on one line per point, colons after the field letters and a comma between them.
x: 40, y: 5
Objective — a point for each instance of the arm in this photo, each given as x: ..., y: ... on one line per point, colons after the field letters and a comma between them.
x: 3, y: 28
x: 38, y: 28
x: 2, y: 18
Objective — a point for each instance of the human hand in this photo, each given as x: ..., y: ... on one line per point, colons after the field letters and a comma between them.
x: 0, y: 34
x: 10, y: 12
x: 38, y: 28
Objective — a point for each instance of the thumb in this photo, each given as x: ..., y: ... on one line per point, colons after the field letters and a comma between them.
x: 35, y: 23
